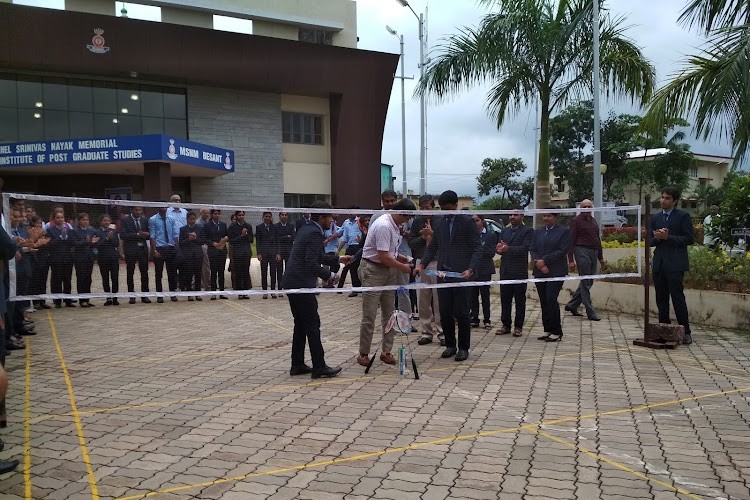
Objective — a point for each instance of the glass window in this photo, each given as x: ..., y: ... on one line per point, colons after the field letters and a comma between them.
x: 318, y: 131
x: 129, y: 98
x: 150, y: 125
x: 8, y: 124
x: 177, y: 128
x: 105, y: 98
x: 300, y: 128
x: 80, y: 96
x: 152, y: 102
x: 55, y: 93
x: 8, y: 97
x: 30, y: 93
x: 174, y: 105
x: 129, y: 125
x: 30, y: 125
x: 105, y: 125
x: 81, y: 124
x: 56, y: 124
x: 286, y: 127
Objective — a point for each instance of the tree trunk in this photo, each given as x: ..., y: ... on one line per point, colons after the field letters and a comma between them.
x: 542, y: 180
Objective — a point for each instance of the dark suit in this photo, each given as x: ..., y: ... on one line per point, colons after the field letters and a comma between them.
x: 8, y: 250
x: 61, y: 245
x: 551, y: 245
x: 285, y: 234
x: 191, y: 253
x: 135, y: 249
x: 242, y: 252
x: 83, y: 259
x: 456, y: 250
x: 485, y: 270
x: 213, y: 232
x: 305, y: 267
x: 670, y: 262
x: 267, y: 246
x: 514, y: 264
x: 109, y: 258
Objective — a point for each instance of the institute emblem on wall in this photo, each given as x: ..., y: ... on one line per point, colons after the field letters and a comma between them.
x: 171, y: 150
x: 97, y: 43
x: 227, y: 162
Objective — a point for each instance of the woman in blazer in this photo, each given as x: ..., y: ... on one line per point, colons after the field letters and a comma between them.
x: 485, y: 270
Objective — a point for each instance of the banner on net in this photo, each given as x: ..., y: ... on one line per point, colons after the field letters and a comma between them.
x: 136, y: 148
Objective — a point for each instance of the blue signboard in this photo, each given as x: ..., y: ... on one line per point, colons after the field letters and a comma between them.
x: 139, y: 148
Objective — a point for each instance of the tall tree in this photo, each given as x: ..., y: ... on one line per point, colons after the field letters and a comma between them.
x: 714, y: 86
x: 570, y: 137
x: 618, y: 138
x: 499, y: 175
x: 538, y: 51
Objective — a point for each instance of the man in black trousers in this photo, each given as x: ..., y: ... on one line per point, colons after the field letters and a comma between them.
x: 671, y: 235
x: 515, y: 240
x: 457, y: 246
x: 305, y: 267
x: 285, y: 233
x: 267, y: 246
x: 216, y: 236
x: 134, y: 235
x: 549, y: 251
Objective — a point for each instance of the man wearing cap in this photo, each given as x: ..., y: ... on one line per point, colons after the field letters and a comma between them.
x: 380, y: 266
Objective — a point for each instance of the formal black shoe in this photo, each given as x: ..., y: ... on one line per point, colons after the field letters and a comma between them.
x: 25, y: 332
x: 442, y: 342
x: 353, y: 294
x: 173, y: 299
x: 475, y: 324
x: 687, y: 339
x: 45, y: 306
x: 326, y: 371
x: 424, y: 341
x: 554, y: 337
x: 10, y: 346
x: 69, y: 304
x: 115, y: 302
x: 146, y: 300
x: 544, y: 337
x: 449, y: 352
x: 108, y: 302
x: 58, y: 306
x: 8, y: 465
x: 572, y: 311
x: 594, y: 318
x: 131, y: 301
x: 190, y: 299
x: 213, y: 298
x: 462, y: 355
x: 160, y: 300
x: 223, y: 297
x: 2, y: 445
x: 199, y: 299
x: 300, y: 370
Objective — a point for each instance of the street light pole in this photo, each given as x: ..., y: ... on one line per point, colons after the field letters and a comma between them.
x: 423, y: 149
x: 598, y: 202
x: 403, y: 111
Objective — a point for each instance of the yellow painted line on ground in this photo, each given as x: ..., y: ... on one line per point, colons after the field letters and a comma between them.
x: 450, y: 439
x: 279, y: 325
x: 76, y: 415
x: 614, y: 463
x: 284, y: 387
x: 27, y: 425
x: 684, y: 365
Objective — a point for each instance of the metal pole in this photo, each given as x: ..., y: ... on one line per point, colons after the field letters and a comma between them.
x: 536, y: 154
x: 598, y: 202
x: 403, y: 121
x: 421, y: 108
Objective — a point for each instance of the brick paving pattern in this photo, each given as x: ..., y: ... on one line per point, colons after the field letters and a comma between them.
x: 194, y: 400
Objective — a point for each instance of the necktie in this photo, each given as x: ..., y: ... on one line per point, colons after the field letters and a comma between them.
x: 666, y: 217
x: 166, y: 230
x: 137, y: 224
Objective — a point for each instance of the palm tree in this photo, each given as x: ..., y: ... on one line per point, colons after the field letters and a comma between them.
x: 538, y: 51
x: 714, y: 87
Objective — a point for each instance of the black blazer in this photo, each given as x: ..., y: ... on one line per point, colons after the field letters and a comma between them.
x: 266, y: 243
x: 188, y: 247
x: 84, y: 250
x: 212, y: 233
x: 241, y: 245
x: 671, y: 255
x: 108, y: 247
x: 417, y: 244
x: 129, y: 234
x: 61, y: 247
x: 552, y: 247
x: 306, y: 260
x: 487, y: 262
x: 514, y: 264
x: 285, y: 236
x: 456, y: 251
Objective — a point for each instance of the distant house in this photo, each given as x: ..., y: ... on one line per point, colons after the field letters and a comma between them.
x: 708, y: 170
x: 464, y: 202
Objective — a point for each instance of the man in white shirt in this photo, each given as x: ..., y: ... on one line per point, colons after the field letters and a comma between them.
x: 709, y: 240
x: 178, y: 214
x: 380, y: 266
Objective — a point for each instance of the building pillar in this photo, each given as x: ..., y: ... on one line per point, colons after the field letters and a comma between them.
x: 157, y: 181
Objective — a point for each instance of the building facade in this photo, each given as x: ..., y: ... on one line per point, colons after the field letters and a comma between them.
x: 298, y: 108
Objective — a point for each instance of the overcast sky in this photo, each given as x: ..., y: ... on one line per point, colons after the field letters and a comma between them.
x: 460, y: 134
